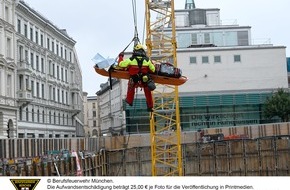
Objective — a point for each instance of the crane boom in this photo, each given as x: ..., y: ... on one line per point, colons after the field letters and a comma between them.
x: 165, y: 129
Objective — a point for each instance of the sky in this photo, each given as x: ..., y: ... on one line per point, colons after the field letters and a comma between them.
x: 107, y: 26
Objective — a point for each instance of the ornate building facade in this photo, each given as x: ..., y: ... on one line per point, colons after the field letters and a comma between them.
x: 40, y: 71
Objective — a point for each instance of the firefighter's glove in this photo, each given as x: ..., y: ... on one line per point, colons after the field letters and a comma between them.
x: 121, y: 54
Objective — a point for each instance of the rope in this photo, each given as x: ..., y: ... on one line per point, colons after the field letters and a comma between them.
x: 136, y: 38
x: 136, y: 41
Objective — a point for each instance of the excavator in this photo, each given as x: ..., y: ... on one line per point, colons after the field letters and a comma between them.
x: 165, y: 129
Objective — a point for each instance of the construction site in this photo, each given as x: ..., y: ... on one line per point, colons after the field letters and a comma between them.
x: 264, y: 152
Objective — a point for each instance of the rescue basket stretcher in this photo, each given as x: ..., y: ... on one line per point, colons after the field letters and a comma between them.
x: 124, y: 74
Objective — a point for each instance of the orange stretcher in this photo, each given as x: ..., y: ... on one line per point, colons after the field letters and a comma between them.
x: 123, y: 74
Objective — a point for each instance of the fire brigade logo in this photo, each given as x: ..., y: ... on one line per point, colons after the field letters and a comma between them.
x: 24, y: 184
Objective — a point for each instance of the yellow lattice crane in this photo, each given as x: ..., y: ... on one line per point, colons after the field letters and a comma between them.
x: 165, y: 127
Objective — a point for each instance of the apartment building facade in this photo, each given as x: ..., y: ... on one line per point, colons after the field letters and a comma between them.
x: 111, y: 107
x: 91, y: 116
x: 47, y: 79
x: 8, y: 68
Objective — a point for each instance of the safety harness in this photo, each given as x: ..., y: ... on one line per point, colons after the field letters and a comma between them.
x: 141, y: 77
x: 138, y: 77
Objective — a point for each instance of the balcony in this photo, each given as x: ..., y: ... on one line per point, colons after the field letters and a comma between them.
x: 23, y: 67
x: 74, y: 87
x: 24, y: 97
x: 76, y: 109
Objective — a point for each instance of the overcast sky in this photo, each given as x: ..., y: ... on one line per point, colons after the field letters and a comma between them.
x: 107, y: 26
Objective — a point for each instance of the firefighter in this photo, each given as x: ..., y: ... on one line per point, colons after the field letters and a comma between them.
x: 139, y: 67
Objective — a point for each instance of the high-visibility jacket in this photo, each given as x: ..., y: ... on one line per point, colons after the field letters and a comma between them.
x: 133, y: 68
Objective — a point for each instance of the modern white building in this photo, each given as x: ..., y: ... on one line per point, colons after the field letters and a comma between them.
x: 243, y: 68
x: 42, y: 70
x: 229, y: 75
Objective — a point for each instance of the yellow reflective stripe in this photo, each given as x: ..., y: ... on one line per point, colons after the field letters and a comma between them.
x: 134, y: 62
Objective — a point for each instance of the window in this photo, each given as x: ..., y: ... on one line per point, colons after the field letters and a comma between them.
x: 53, y: 94
x: 36, y: 37
x: 57, y: 49
x: 26, y: 55
x: 43, y: 116
x: 42, y: 91
x: 66, y: 97
x: 192, y: 60
x: 95, y: 123
x: 19, y: 26
x: 27, y: 114
x: 31, y: 34
x: 9, y: 47
x: 37, y: 63
x: 20, y: 113
x: 237, y: 58
x: 38, y: 116
x: 42, y: 65
x: 94, y: 114
x: 49, y: 67
x: 53, y: 70
x: 50, y: 92
x: 52, y: 46
x: 27, y: 84
x: 37, y: 90
x: 205, y: 59
x: 243, y: 39
x: 193, y: 39
x: 9, y: 85
x: 32, y: 88
x: 217, y: 59
x: 65, y: 72
x: 48, y: 47
x: 71, y: 76
x: 94, y: 105
x: 50, y: 117
x: 63, y: 119
x: 32, y: 115
x: 206, y: 38
x: 67, y: 119
x: 32, y: 60
x: 41, y: 40
x: 62, y: 96
x: 25, y: 30
x: 58, y: 96
x: 20, y: 49
x: 20, y: 82
x: 61, y: 74
x: 57, y: 72
x: 7, y: 14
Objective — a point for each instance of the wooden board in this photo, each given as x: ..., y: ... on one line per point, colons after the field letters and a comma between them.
x: 123, y: 74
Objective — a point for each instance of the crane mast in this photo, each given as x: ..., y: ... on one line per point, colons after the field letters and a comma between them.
x: 165, y: 129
